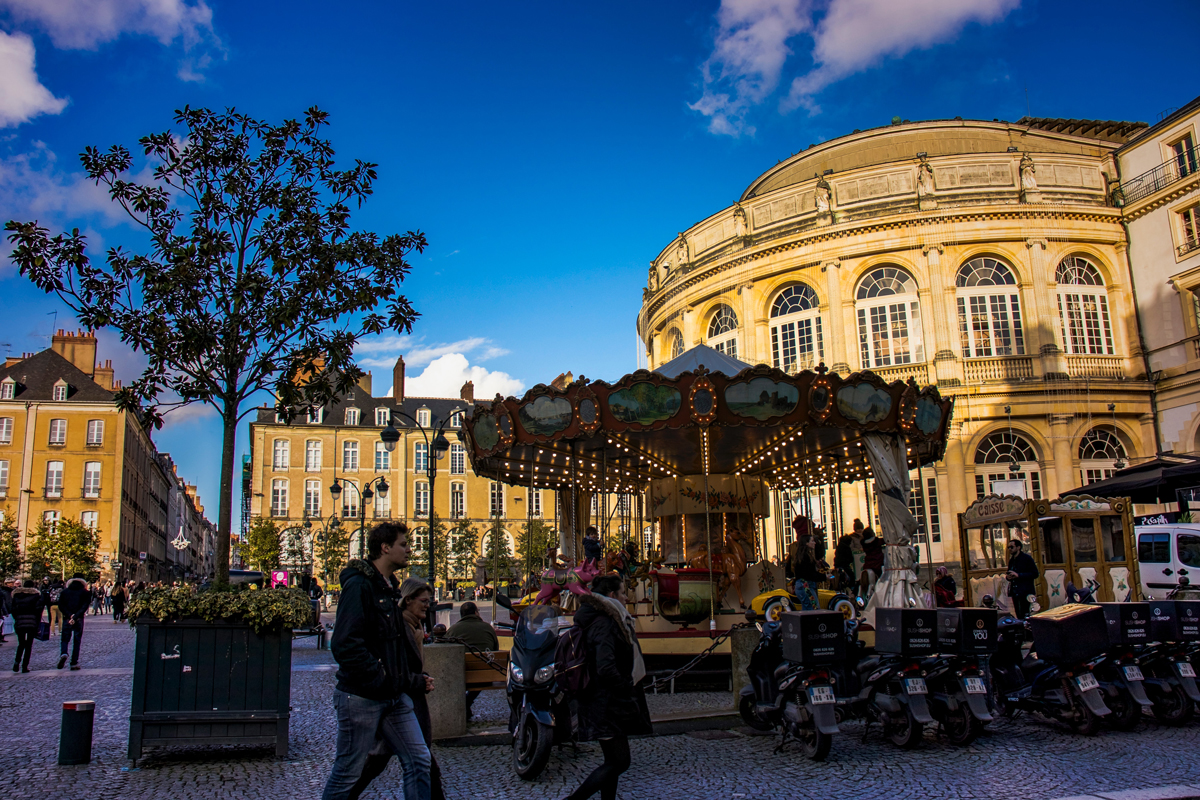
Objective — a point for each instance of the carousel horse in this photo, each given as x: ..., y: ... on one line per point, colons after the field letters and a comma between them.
x: 574, y: 579
x: 731, y: 565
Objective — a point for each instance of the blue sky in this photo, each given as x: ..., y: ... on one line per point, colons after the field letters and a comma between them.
x: 548, y: 150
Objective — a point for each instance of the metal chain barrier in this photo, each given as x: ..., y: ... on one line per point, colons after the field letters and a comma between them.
x: 666, y: 679
x: 484, y: 655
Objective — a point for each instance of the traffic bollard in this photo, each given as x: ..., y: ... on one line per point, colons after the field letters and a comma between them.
x: 75, y: 737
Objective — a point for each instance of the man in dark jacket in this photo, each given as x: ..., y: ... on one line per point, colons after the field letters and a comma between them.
x: 27, y: 607
x: 73, y: 604
x: 1022, y: 570
x: 475, y: 632
x: 374, y: 679
x: 612, y: 707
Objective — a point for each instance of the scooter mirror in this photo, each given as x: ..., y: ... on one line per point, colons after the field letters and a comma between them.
x: 750, y: 615
x: 503, y: 600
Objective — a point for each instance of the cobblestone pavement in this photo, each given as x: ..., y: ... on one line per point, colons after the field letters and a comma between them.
x: 1024, y: 758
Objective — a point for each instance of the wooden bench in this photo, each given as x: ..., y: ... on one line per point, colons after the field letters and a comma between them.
x: 480, y: 676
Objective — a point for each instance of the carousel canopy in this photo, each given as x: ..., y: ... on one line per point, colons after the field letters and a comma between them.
x: 790, y: 430
x: 702, y: 356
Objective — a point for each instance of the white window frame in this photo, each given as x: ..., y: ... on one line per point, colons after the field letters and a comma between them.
x: 383, y: 459
x: 535, y: 503
x: 90, y: 519
x: 383, y: 415
x: 899, y: 314
x: 91, y: 479
x: 675, y: 345
x: 988, y: 472
x: 420, y: 458
x: 796, y: 335
x: 352, y: 416
x: 1091, y: 467
x: 723, y: 327
x: 51, y: 518
x: 1189, y: 231
x: 95, y: 432
x: 312, y: 498
x: 8, y: 389
x: 316, y: 416
x: 350, y: 456
x: 58, y: 432
x: 424, y: 417
x: 281, y: 453
x: 54, y: 478
x: 458, y: 459
x: 458, y: 500
x: 6, y: 430
x: 456, y: 419
x: 496, y: 499
x: 279, y: 497
x: 3, y: 477
x: 382, y: 506
x: 350, y: 494
x: 312, y: 455
x: 59, y: 392
x: 421, y: 499
x: 1084, y: 330
x: 989, y: 309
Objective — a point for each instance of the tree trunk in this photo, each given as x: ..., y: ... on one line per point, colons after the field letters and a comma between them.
x: 225, y: 507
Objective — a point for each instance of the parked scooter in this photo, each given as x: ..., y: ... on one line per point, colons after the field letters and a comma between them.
x: 1170, y: 682
x: 958, y: 696
x: 782, y: 694
x: 1121, y: 679
x: 539, y: 716
x: 1066, y: 692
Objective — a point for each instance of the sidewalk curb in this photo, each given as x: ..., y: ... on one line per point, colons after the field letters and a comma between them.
x: 1174, y: 792
x: 667, y: 725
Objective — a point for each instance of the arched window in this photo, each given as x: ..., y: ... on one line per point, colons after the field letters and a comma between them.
x: 1100, y: 453
x: 796, y: 329
x: 1083, y: 308
x: 674, y: 343
x: 722, y: 331
x: 889, y: 319
x: 989, y: 310
x: 1006, y: 456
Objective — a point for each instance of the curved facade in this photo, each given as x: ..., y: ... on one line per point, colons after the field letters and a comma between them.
x: 984, y: 257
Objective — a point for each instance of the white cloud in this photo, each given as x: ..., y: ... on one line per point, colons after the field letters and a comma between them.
x: 86, y: 24
x: 445, y: 376
x: 749, y: 52
x: 857, y: 34
x: 22, y: 95
x: 381, y: 351
x: 751, y: 46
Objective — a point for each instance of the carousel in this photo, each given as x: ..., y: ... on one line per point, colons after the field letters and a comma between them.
x: 696, y: 448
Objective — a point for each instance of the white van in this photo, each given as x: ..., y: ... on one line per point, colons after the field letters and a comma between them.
x: 1167, y: 553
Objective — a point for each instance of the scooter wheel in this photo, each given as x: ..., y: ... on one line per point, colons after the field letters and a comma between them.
x: 1085, y: 722
x: 531, y: 748
x: 1174, y: 707
x: 1126, y: 712
x: 906, y: 732
x: 751, y: 717
x: 961, y: 726
x: 815, y: 744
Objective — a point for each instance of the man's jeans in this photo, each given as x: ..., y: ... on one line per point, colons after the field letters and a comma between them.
x: 67, y: 630
x: 360, y: 722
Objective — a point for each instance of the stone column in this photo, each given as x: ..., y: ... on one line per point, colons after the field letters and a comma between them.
x: 1039, y: 314
x: 1064, y: 473
x: 956, y: 498
x: 446, y: 664
x: 747, y: 316
x: 1146, y: 421
x: 948, y: 368
x: 687, y: 325
x: 835, y: 319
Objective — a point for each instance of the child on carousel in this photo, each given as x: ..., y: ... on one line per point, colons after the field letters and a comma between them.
x: 592, y: 551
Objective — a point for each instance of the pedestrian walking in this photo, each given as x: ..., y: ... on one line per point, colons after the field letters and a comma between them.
x: 97, y: 599
x: 108, y: 588
x: 53, y: 593
x: 27, y: 605
x: 472, y: 630
x: 612, y: 707
x: 377, y: 677
x: 5, y: 607
x: 73, y: 604
x: 118, y: 602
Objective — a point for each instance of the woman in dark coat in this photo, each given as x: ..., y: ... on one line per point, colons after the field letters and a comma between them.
x: 27, y: 605
x: 612, y: 707
x: 118, y: 602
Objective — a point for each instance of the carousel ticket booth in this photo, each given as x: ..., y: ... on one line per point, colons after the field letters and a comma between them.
x: 1074, y: 540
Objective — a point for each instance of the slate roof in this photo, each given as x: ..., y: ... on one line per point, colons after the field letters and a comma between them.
x: 335, y: 413
x: 36, y: 376
x: 1105, y: 129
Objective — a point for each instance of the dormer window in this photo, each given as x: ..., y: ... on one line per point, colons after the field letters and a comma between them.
x: 423, y: 417
x: 60, y: 391
x: 351, y: 416
x: 382, y: 417
x: 456, y: 419
x: 8, y: 389
x: 316, y: 416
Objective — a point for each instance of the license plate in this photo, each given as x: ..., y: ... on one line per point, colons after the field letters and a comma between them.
x: 1185, y: 669
x: 821, y: 695
x: 1087, y: 682
x: 916, y: 686
x: 1133, y: 674
x: 975, y: 686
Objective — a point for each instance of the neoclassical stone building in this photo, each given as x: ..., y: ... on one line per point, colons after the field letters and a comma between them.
x: 985, y: 257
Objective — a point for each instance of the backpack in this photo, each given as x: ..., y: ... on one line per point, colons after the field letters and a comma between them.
x: 570, y: 660
x: 55, y: 594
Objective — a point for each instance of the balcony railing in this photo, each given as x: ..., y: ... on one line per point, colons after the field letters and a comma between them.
x: 1162, y: 176
x: 903, y: 373
x: 1095, y: 366
x: 1016, y: 368
x: 1188, y: 246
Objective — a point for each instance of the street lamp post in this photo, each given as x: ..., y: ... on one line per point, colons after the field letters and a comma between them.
x: 319, y: 538
x: 381, y: 486
x: 435, y: 452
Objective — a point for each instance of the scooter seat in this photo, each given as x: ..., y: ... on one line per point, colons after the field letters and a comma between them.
x: 782, y: 670
x: 1031, y: 667
x: 868, y: 664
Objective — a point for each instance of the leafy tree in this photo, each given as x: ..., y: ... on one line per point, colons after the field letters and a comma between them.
x: 464, y: 546
x: 63, y: 549
x: 536, y: 535
x: 262, y: 547
x: 252, y: 277
x: 500, y: 561
x: 418, y: 562
x: 10, y: 551
x: 333, y: 549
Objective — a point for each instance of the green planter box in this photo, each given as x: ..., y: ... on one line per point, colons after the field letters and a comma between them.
x: 197, y: 682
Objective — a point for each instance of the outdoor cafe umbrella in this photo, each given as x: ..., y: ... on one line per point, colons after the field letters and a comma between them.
x: 1153, y: 481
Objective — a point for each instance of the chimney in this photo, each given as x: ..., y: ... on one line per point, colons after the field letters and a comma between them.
x: 398, y: 380
x: 79, y: 349
x: 364, y: 383
x: 11, y: 360
x: 104, y: 375
x: 468, y: 392
x: 564, y: 380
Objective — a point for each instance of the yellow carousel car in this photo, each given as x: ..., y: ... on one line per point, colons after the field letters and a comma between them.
x: 770, y: 604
